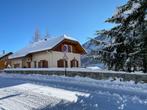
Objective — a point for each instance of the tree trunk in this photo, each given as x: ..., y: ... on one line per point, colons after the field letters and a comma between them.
x: 145, y: 63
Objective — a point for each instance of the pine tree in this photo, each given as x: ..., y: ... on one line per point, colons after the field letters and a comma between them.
x: 129, y: 46
x: 141, y: 27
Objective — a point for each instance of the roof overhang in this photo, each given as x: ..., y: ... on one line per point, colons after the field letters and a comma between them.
x: 64, y: 38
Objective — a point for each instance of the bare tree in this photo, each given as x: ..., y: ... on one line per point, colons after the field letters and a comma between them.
x: 37, y: 35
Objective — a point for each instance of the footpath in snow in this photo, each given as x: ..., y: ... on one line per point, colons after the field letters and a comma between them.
x: 42, y: 92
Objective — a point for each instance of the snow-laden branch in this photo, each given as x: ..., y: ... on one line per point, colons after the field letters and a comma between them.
x: 99, y: 42
x: 113, y: 44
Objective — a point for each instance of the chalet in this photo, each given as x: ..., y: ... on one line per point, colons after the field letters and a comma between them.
x: 4, y: 61
x: 48, y: 53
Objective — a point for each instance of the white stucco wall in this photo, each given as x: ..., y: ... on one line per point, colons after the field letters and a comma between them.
x: 52, y: 57
x: 39, y: 56
x: 16, y: 61
x: 55, y: 56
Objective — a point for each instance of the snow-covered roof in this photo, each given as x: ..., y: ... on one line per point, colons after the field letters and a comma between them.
x: 41, y: 45
x: 2, y: 55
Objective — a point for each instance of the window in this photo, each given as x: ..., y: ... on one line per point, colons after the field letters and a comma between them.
x: 39, y: 64
x: 74, y: 63
x: 35, y: 64
x: 43, y: 64
x: 62, y: 63
x: 66, y: 48
x: 28, y: 64
x: 17, y: 65
x: 69, y: 48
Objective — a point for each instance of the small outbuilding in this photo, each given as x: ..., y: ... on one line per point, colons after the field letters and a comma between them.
x: 4, y: 60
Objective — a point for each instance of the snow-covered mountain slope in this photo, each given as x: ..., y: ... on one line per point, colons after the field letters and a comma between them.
x: 90, y: 47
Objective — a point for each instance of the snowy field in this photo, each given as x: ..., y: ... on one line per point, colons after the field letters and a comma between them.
x: 41, y: 92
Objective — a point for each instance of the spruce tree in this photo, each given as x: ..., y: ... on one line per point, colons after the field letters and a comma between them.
x: 128, y: 49
x: 141, y: 27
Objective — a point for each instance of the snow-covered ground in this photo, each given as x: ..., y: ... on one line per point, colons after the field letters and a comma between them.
x: 42, y: 92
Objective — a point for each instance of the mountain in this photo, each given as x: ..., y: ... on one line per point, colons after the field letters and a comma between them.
x: 88, y: 60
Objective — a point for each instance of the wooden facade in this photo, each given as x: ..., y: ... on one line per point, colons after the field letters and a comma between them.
x: 73, y: 47
x: 2, y: 65
x: 4, y: 61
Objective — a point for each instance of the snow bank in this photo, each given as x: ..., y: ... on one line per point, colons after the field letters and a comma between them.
x: 94, y: 68
x: 88, y: 69
x: 51, y: 92
x: 31, y: 96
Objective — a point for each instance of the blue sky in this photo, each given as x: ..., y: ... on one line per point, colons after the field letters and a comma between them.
x: 77, y: 18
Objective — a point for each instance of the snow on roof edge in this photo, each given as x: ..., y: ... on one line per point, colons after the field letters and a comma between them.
x: 3, y: 55
x: 48, y: 44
